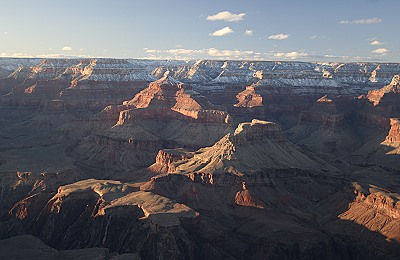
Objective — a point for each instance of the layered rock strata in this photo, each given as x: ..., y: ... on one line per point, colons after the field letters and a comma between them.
x: 167, y: 114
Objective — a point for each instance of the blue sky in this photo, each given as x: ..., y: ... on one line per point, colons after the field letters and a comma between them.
x: 305, y: 30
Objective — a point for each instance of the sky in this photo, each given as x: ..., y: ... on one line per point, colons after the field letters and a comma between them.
x: 303, y: 30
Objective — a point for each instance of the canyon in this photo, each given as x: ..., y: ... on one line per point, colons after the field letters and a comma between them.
x: 169, y: 159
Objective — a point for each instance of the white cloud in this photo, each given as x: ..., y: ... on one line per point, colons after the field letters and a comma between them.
x: 182, y: 51
x: 228, y: 53
x: 367, y: 21
x: 381, y: 51
x: 52, y: 55
x: 224, y: 54
x: 149, y: 50
x: 376, y: 42
x: 5, y: 33
x: 222, y: 32
x: 374, y: 20
x: 237, y: 54
x: 16, y: 55
x: 226, y: 16
x: 279, y: 36
x: 66, y: 48
x: 46, y: 56
x: 210, y: 53
x: 249, y: 32
x: 291, y: 55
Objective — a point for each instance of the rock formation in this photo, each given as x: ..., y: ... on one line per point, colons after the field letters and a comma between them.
x: 381, y: 104
x: 384, y: 95
x: 326, y: 128
x: 110, y: 214
x: 249, y: 98
x: 393, y: 137
x: 376, y: 121
x: 252, y: 147
x: 167, y: 114
x: 140, y: 159
x: 168, y: 99
x: 324, y: 111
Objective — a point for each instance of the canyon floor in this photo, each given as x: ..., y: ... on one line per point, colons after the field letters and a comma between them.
x: 142, y: 159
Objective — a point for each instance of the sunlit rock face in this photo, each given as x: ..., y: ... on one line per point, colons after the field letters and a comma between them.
x: 167, y: 99
x: 394, y: 134
x: 140, y: 159
x: 249, y: 98
x: 385, y: 94
x: 250, y: 148
x: 166, y: 114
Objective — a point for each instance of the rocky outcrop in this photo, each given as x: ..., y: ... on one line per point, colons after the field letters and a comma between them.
x: 394, y: 133
x: 252, y: 147
x: 167, y: 114
x: 328, y: 127
x: 94, y: 78
x: 286, y: 193
x: 308, y: 77
x: 95, y: 213
x: 373, y: 214
x: 244, y: 198
x: 132, y: 116
x: 17, y: 186
x: 325, y: 112
x: 167, y: 99
x: 380, y: 109
x: 257, y: 130
x: 382, y: 202
x: 385, y: 94
x: 166, y: 158
x: 249, y: 103
x: 82, y: 84
x: 274, y: 202
x: 249, y: 98
x: 381, y: 104
x: 211, y: 192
